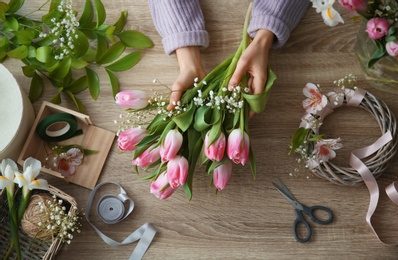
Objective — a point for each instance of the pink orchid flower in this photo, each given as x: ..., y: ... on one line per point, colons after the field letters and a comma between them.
x: 170, y: 145
x: 377, y: 28
x: 353, y: 6
x: 315, y: 100
x: 238, y: 146
x: 147, y: 157
x: 177, y: 171
x: 135, y: 99
x: 128, y: 139
x: 161, y: 188
x: 324, y: 149
x: 392, y: 48
x: 222, y: 174
x: 215, y: 151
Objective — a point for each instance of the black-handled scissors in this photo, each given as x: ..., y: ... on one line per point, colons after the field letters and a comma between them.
x: 300, y: 209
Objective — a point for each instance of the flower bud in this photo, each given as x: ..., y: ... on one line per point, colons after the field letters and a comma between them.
x: 353, y: 6
x: 161, y: 188
x: 147, y: 157
x: 170, y: 145
x: 222, y: 174
x: 377, y: 28
x: 392, y: 48
x: 128, y: 139
x: 215, y: 151
x: 177, y: 171
x: 135, y: 99
x: 238, y: 146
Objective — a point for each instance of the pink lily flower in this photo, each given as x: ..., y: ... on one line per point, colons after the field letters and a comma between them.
x: 161, y: 188
x: 377, y: 28
x: 177, y: 171
x: 170, y: 145
x: 135, y: 99
x: 238, y: 146
x: 128, y: 139
x: 324, y: 149
x: 315, y: 100
x: 215, y: 151
x: 147, y: 157
x: 67, y: 162
x: 221, y: 175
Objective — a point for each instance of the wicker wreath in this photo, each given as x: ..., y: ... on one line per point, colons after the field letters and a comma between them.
x: 304, y: 141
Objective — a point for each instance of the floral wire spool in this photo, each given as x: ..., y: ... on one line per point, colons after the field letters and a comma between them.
x: 377, y: 163
x: 32, y: 248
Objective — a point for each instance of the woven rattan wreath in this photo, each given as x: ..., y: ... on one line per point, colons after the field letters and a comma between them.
x: 316, y: 152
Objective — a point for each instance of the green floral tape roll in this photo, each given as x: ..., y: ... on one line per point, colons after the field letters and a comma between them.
x: 58, y: 127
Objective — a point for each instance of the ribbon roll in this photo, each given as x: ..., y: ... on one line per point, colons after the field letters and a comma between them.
x: 66, y: 123
x: 112, y: 210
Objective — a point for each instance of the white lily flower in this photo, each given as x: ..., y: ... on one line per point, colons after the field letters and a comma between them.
x: 8, y: 170
x: 331, y: 17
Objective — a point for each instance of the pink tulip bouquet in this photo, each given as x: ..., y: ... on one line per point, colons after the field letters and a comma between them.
x: 208, y: 126
x: 381, y: 18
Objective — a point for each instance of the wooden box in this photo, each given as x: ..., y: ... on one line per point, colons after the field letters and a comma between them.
x: 93, y: 138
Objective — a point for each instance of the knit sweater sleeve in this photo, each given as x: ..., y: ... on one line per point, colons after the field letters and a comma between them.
x: 180, y: 23
x: 278, y: 16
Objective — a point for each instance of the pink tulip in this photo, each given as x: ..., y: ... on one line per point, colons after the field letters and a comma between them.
x: 353, y: 6
x: 238, y: 146
x: 128, y: 139
x: 377, y: 28
x: 135, y: 99
x: 392, y: 48
x: 170, y: 145
x: 161, y: 188
x: 222, y: 174
x: 147, y: 157
x: 177, y: 171
x: 215, y: 151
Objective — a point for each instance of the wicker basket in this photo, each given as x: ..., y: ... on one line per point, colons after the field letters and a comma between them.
x: 31, y: 248
x: 379, y: 161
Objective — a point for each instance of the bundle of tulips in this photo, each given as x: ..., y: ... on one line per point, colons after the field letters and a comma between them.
x: 209, y: 125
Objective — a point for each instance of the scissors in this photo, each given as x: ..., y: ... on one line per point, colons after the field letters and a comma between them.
x: 300, y: 209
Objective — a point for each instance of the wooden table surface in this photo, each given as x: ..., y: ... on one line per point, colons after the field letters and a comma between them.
x: 249, y: 219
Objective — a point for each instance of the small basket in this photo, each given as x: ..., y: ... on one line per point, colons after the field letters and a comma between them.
x: 31, y: 248
x: 376, y: 163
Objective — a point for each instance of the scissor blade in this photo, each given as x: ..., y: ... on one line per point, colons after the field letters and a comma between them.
x: 286, y: 190
x: 287, y: 196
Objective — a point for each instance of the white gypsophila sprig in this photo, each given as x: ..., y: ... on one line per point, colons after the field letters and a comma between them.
x: 63, y: 30
x: 56, y: 222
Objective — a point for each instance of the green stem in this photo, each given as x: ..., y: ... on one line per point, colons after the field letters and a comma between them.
x: 14, y: 227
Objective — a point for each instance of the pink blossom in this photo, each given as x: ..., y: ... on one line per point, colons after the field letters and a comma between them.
x: 215, y: 151
x: 377, y: 28
x: 354, y: 6
x: 392, y: 48
x: 315, y: 100
x: 128, y: 139
x: 161, y: 188
x: 135, y: 99
x: 170, y: 145
x: 222, y: 174
x: 324, y: 149
x: 147, y: 157
x: 177, y: 171
x: 66, y: 162
x: 238, y: 146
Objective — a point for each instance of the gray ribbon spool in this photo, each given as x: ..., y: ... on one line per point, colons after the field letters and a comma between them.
x: 112, y: 210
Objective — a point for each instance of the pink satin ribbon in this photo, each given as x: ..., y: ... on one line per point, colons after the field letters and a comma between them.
x: 369, y: 179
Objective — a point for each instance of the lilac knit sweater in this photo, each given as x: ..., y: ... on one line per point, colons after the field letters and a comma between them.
x: 181, y: 22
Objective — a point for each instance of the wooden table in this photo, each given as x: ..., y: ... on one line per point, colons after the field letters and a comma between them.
x: 249, y: 219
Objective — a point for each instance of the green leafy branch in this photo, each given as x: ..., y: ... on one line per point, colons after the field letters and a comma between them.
x: 65, y: 50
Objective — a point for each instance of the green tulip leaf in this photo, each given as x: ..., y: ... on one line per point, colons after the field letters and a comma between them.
x: 20, y: 52
x: 93, y: 83
x: 135, y: 39
x: 125, y: 63
x: 114, y: 82
x: 100, y: 12
x: 121, y: 22
x: 36, y: 88
x: 112, y: 53
x: 184, y: 120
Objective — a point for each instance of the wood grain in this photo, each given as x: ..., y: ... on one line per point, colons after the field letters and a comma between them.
x: 249, y: 219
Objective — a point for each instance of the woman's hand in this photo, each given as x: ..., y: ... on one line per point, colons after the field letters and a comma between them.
x: 191, y: 67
